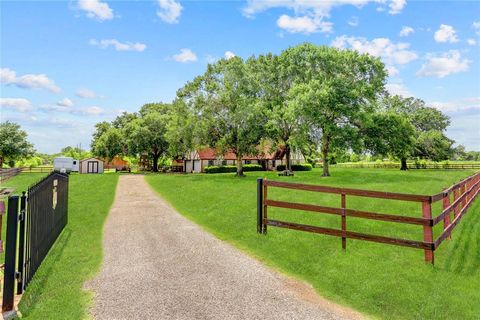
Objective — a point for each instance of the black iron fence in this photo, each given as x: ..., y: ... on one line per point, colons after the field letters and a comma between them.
x: 35, y: 219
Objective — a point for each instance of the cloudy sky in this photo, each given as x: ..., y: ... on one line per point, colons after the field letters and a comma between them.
x: 66, y: 65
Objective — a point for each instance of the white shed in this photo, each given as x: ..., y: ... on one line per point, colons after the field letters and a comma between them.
x: 91, y: 165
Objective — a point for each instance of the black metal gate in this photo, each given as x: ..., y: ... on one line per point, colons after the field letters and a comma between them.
x: 39, y: 217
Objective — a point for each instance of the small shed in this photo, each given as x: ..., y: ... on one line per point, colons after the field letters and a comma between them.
x: 91, y: 165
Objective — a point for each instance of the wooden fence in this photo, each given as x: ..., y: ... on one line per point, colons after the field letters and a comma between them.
x: 438, y: 166
x: 455, y: 201
x: 6, y: 174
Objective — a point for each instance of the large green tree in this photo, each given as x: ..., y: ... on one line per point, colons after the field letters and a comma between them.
x: 332, y: 89
x: 224, y: 103
x: 430, y: 141
x: 147, y: 135
x: 284, y: 127
x: 13, y: 143
x: 389, y: 133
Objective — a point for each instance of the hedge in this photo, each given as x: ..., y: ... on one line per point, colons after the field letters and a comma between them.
x: 224, y: 169
x: 296, y: 167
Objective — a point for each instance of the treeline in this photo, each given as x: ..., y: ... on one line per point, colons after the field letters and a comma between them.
x: 319, y: 100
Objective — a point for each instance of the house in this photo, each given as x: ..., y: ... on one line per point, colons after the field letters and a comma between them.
x: 197, y: 161
x: 116, y: 163
x: 91, y: 165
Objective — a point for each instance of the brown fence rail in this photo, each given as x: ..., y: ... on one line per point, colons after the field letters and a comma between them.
x: 6, y: 174
x: 438, y: 166
x: 455, y: 200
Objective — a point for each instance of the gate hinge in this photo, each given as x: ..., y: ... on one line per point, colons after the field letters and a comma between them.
x: 18, y: 275
x: 21, y: 216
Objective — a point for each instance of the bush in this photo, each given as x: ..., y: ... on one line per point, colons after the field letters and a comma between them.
x: 225, y: 169
x: 296, y: 167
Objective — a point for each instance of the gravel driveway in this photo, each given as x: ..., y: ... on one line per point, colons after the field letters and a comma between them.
x: 159, y: 265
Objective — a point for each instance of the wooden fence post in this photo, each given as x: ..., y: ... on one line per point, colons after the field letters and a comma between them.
x: 427, y: 231
x: 446, y: 204
x: 344, y: 222
x: 259, y: 205
x: 456, y: 195
x: 265, y: 218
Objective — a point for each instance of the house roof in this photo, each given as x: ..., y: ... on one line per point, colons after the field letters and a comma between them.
x: 91, y: 158
x: 211, y: 154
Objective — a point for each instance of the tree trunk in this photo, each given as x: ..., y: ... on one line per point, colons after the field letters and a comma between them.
x: 155, y: 162
x: 404, y: 164
x: 288, y: 166
x: 239, y: 166
x: 1, y: 162
x: 325, y: 149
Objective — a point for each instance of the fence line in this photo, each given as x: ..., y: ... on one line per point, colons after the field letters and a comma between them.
x: 447, y: 166
x: 6, y: 174
x: 464, y: 194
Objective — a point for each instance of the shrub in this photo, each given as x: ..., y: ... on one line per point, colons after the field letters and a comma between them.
x: 296, y: 167
x: 225, y: 169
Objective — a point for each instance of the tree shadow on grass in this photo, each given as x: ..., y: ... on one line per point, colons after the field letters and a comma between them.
x: 37, y: 285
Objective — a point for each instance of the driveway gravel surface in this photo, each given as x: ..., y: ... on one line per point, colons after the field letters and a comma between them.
x: 159, y: 265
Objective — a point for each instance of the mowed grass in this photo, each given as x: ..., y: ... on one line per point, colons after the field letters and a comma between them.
x: 56, y: 291
x: 380, y: 280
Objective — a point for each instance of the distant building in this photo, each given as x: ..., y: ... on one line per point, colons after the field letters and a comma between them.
x: 91, y: 165
x: 197, y: 161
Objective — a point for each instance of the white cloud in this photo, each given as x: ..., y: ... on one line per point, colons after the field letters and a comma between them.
x: 443, y: 65
x: 169, y: 10
x: 119, y: 46
x: 309, y: 16
x: 303, y: 24
x: 86, y: 93
x: 392, y: 71
x: 406, y: 31
x: 93, y: 110
x: 96, y: 9
x: 229, y: 54
x: 390, y: 52
x: 396, y: 6
x: 476, y: 27
x: 27, y: 81
x: 185, y: 55
x: 471, y: 42
x: 65, y: 103
x: 464, y: 104
x: 398, y: 88
x: 353, y: 21
x: 446, y: 33
x: 19, y: 104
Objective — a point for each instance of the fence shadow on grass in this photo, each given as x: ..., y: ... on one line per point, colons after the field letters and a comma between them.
x: 31, y: 295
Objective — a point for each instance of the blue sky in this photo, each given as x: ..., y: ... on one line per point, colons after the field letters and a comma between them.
x: 66, y: 65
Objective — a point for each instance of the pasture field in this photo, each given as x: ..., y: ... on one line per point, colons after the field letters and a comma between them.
x: 383, y: 281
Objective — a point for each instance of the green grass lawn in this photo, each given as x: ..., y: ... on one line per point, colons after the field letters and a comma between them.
x: 380, y: 280
x: 56, y: 291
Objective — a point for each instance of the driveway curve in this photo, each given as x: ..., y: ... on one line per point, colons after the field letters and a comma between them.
x: 159, y: 265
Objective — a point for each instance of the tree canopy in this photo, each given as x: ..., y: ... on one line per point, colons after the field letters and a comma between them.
x: 13, y: 143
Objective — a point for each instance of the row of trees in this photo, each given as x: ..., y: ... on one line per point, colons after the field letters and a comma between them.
x: 315, y: 99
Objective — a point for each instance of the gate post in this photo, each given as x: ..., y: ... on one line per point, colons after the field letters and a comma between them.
x: 10, y: 254
x: 427, y: 231
x: 259, y: 205
x: 21, y: 244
